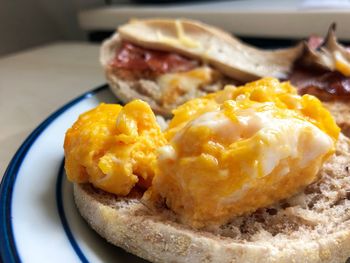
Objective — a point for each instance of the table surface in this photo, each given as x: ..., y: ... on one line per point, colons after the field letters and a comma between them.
x: 34, y: 83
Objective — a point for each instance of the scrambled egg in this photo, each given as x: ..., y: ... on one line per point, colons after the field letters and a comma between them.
x: 240, y: 149
x: 114, y: 147
x: 223, y: 155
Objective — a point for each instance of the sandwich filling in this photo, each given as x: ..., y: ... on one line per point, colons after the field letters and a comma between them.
x: 168, y: 78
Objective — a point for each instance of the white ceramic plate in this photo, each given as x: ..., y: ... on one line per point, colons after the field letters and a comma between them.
x: 38, y: 218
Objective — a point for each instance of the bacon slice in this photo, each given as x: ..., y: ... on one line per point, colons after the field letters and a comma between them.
x: 132, y: 57
x: 327, y: 85
x: 316, y: 79
x: 315, y: 42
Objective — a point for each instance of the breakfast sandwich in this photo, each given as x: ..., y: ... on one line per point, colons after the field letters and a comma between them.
x: 167, y: 62
x: 254, y: 173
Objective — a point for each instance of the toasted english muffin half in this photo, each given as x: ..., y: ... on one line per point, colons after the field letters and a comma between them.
x: 312, y: 226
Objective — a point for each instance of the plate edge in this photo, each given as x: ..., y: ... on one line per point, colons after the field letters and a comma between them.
x: 8, y: 250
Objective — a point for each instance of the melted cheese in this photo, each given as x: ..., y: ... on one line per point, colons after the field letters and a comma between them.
x: 186, y: 80
x: 178, y: 84
x: 341, y: 64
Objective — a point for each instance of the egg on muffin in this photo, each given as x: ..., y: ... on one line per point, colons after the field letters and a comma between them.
x: 222, y: 155
x: 240, y: 149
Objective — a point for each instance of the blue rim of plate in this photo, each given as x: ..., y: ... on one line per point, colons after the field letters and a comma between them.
x: 8, y: 250
x: 62, y: 215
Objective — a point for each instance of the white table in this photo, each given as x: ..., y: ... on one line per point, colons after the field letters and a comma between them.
x: 36, y: 82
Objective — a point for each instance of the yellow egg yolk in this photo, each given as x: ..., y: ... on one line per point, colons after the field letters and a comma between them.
x: 240, y: 149
x: 114, y: 147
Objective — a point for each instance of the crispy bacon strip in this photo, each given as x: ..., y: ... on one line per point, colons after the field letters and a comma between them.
x: 315, y: 42
x: 323, y: 83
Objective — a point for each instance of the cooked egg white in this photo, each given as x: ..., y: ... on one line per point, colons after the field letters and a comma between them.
x: 233, y: 152
x: 114, y: 147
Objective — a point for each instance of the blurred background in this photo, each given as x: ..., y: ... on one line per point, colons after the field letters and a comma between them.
x: 25, y: 24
